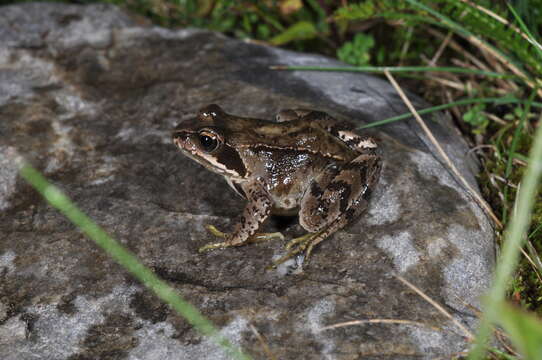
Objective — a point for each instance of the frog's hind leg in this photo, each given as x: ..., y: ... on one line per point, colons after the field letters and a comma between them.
x: 306, y: 243
x: 333, y: 200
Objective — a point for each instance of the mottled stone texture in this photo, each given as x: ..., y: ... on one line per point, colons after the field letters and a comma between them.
x: 89, y: 95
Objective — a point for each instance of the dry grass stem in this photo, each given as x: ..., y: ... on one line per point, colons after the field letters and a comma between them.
x: 461, y: 63
x: 503, y: 86
x: 441, y: 48
x: 497, y: 187
x: 457, y: 47
x: 442, y: 153
x: 263, y: 343
x: 496, y: 55
x: 379, y: 321
x: 502, y: 338
x: 472, y: 308
x: 495, y: 118
x: 455, y: 109
x: 489, y: 51
x: 496, y: 65
x: 437, y: 306
x: 406, y: 45
x: 534, y: 255
x: 484, y: 146
x: 519, y: 162
x: 446, y: 82
x: 535, y: 268
x: 504, y: 181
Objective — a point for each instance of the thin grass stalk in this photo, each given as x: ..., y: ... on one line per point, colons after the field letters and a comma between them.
x: 527, y: 35
x: 512, y: 150
x: 396, y: 69
x: 471, y: 191
x: 514, y: 238
x: 125, y: 258
x: 496, y: 100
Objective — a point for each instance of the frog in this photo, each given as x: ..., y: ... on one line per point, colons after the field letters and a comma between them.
x: 305, y: 163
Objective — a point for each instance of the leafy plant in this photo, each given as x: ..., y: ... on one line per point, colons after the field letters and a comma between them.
x: 357, y: 51
x: 475, y: 116
x: 299, y: 31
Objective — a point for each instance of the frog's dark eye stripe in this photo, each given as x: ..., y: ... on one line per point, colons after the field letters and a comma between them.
x: 209, y: 141
x: 230, y: 159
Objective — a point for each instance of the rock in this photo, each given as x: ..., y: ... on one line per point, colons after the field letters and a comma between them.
x: 89, y: 96
x: 12, y: 331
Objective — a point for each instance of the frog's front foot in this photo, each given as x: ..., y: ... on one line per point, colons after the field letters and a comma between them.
x: 213, y: 230
x: 230, y: 242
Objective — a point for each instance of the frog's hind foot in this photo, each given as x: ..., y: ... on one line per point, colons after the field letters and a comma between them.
x: 259, y: 237
x: 299, y: 245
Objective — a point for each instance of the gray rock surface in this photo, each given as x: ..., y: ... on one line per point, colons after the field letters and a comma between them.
x: 90, y: 96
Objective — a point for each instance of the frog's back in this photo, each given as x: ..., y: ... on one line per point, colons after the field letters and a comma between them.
x: 297, y: 135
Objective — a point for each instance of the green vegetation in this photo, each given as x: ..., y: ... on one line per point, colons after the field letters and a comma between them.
x: 486, y: 62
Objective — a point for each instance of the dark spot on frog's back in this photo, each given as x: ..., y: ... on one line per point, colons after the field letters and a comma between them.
x: 316, y: 190
x: 344, y: 189
x: 230, y: 158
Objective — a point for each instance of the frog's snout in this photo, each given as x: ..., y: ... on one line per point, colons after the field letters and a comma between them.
x: 177, y: 134
x: 179, y: 137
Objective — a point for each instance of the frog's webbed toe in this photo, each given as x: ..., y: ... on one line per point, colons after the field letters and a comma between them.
x: 304, y: 243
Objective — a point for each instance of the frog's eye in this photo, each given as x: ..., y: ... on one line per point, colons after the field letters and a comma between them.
x: 209, y: 141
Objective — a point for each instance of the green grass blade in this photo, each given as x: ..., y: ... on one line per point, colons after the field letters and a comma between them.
x: 461, y: 30
x: 524, y: 329
x: 301, y: 30
x: 399, y: 69
x: 525, y: 29
x: 535, y: 231
x: 512, y: 150
x: 60, y: 201
x: 498, y: 100
x: 514, y: 236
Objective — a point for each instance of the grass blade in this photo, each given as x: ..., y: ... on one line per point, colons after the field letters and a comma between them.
x: 524, y: 329
x: 398, y: 69
x: 514, y: 237
x: 60, y: 201
x: 461, y: 30
x: 301, y: 30
x: 512, y: 150
x: 498, y: 100
x: 530, y: 37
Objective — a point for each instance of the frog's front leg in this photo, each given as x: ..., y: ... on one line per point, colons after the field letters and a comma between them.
x: 256, y: 211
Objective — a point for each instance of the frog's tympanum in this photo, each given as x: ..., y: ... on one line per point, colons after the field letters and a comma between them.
x: 305, y: 163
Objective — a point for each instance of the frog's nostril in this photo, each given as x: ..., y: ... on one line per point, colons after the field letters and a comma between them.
x: 180, y: 135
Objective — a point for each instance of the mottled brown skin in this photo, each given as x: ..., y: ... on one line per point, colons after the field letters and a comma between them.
x: 307, y: 163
